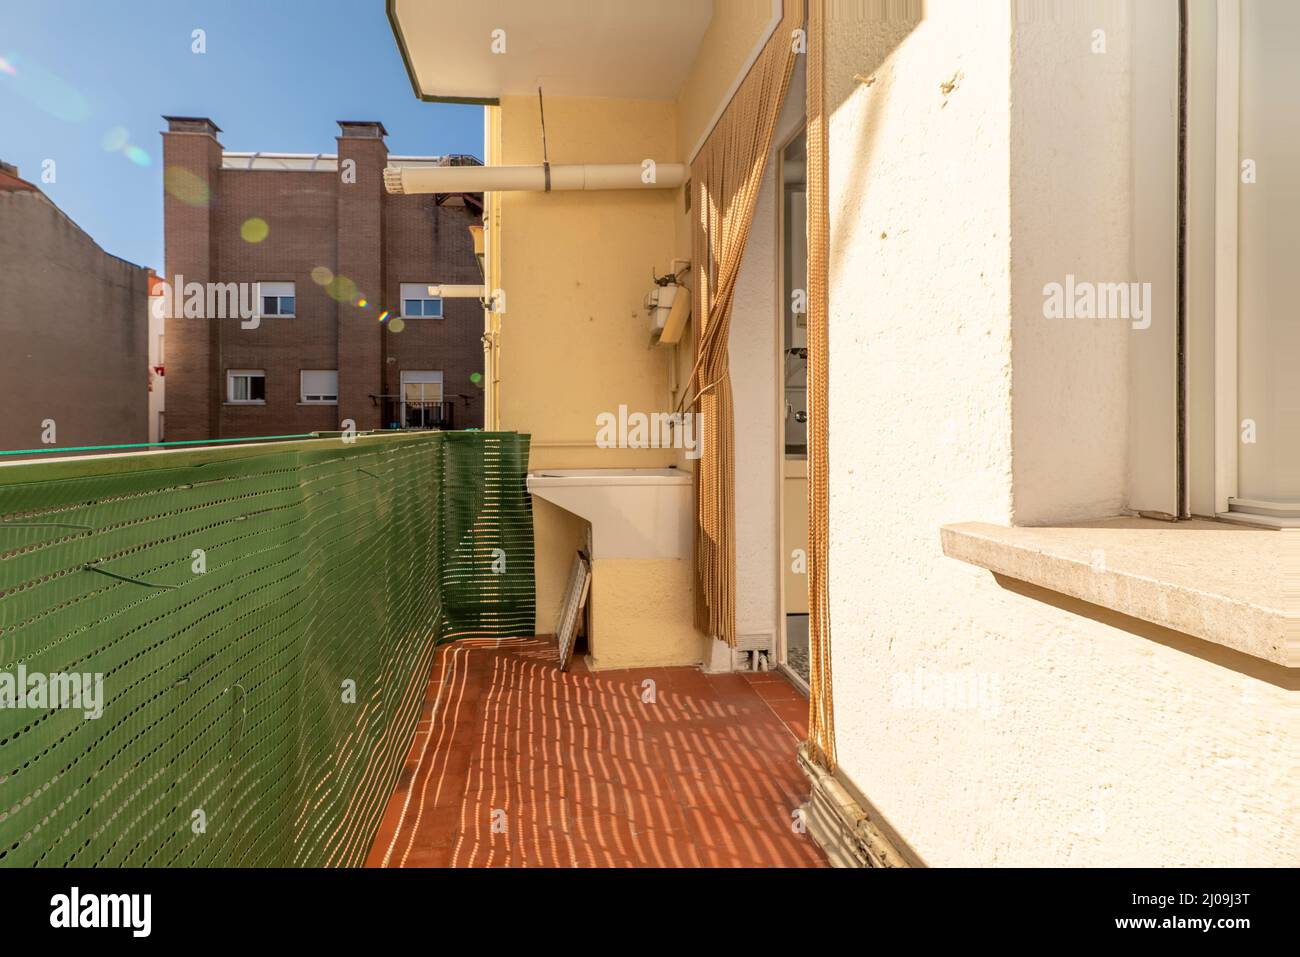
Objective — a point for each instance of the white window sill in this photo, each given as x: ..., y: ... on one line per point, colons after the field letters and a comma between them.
x: 1263, y: 521
x: 1216, y: 581
x: 245, y: 402
x: 317, y: 402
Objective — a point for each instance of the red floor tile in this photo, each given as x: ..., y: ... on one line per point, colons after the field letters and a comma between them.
x: 515, y: 764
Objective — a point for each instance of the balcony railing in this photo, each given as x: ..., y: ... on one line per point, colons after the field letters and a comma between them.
x: 239, y: 637
x: 399, y: 414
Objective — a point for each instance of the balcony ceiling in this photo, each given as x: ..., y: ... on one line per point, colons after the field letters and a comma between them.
x: 613, y: 48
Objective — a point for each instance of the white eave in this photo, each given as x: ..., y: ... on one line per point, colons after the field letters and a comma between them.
x: 615, y: 48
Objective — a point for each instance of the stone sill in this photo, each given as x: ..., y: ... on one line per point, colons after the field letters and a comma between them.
x: 1233, y: 585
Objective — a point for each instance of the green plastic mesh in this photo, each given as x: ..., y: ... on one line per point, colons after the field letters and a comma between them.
x: 231, y: 598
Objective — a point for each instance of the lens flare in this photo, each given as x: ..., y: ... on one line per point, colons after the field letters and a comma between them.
x: 322, y: 276
x: 7, y: 67
x: 183, y: 185
x: 383, y: 315
x: 46, y: 91
x: 363, y: 304
x: 137, y: 156
x: 476, y: 377
x: 254, y: 230
x: 115, y: 139
x: 342, y: 289
x: 396, y: 325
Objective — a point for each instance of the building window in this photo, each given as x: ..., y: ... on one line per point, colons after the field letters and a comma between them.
x: 246, y: 386
x: 421, y: 402
x: 418, y: 300
x: 320, y: 386
x: 1257, y: 205
x: 277, y: 299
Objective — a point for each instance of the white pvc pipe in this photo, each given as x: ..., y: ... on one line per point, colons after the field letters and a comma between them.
x: 442, y: 291
x: 485, y: 179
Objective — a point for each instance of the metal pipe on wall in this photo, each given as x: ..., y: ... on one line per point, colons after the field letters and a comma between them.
x: 482, y: 179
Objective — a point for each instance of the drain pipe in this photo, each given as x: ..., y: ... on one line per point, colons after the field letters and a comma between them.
x: 403, y: 180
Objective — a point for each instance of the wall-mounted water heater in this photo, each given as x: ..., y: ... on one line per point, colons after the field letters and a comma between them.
x: 669, y: 305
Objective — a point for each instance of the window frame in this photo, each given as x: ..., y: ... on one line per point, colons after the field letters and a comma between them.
x: 278, y: 297
x: 437, y: 377
x: 1227, y: 132
x: 1227, y: 185
x: 424, y: 298
x: 233, y: 374
x: 305, y: 399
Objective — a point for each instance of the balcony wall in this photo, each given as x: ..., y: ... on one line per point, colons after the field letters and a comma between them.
x: 575, y: 268
x: 1082, y: 737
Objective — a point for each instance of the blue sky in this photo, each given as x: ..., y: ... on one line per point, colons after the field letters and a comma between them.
x: 86, y: 82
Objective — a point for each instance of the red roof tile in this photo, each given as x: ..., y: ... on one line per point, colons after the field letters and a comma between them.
x: 13, y: 183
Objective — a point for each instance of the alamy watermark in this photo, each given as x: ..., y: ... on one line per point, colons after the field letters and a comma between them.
x: 75, y: 909
x: 1098, y: 300
x: 36, y: 690
x: 207, y: 300
x: 651, y: 430
x: 964, y: 690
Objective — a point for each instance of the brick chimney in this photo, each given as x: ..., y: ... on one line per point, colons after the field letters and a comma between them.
x: 191, y: 167
x: 361, y: 200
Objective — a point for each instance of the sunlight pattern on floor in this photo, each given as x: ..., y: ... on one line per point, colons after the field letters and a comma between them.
x: 516, y: 764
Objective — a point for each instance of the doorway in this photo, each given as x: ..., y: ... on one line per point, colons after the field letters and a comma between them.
x: 792, y: 366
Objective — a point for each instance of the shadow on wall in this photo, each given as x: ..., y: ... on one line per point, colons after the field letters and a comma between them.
x: 1274, y: 674
x: 889, y: 24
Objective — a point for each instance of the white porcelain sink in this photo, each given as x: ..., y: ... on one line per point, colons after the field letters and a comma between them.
x: 634, y: 513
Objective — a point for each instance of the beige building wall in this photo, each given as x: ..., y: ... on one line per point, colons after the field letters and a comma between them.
x: 732, y: 40
x: 74, y: 323
x: 574, y: 338
x: 575, y: 268
x: 1080, y: 737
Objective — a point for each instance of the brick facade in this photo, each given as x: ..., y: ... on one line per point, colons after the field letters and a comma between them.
x: 369, y: 239
x: 74, y: 323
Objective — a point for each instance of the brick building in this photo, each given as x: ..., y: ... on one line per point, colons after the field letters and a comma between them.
x: 321, y: 252
x: 73, y: 320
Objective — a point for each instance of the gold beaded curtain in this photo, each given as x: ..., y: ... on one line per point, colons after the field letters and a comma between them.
x: 821, y: 715
x: 726, y: 177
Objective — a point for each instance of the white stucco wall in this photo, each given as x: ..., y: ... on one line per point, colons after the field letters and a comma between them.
x: 1081, y: 738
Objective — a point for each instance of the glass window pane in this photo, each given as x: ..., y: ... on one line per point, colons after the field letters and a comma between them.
x: 433, y: 307
x: 286, y: 305
x: 411, y: 307
x: 257, y: 388
x: 1268, y: 388
x: 269, y: 305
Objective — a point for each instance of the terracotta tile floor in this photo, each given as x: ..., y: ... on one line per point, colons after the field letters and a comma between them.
x: 516, y: 764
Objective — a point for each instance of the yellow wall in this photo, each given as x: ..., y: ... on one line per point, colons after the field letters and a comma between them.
x: 557, y: 535
x: 575, y: 269
x: 727, y: 44
x: 733, y: 34
x: 574, y: 338
x: 642, y: 614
